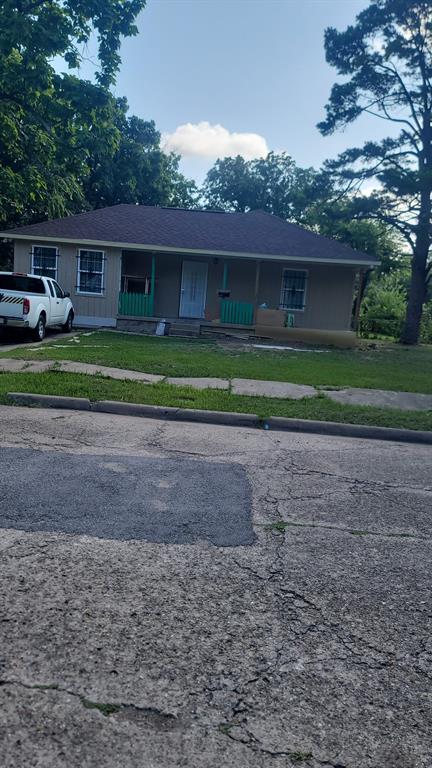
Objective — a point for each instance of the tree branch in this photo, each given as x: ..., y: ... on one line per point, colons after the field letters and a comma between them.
x: 386, y: 116
x: 392, y: 68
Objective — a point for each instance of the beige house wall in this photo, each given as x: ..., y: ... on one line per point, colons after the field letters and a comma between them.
x: 89, y: 309
x: 329, y: 291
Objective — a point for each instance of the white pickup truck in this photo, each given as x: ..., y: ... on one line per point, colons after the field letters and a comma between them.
x: 34, y: 303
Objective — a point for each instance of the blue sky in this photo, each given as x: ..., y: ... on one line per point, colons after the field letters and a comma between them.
x: 225, y: 68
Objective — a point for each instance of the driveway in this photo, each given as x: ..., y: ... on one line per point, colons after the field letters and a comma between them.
x: 11, y: 340
x: 194, y: 595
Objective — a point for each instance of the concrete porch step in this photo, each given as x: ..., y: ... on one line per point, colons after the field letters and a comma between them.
x: 186, y: 330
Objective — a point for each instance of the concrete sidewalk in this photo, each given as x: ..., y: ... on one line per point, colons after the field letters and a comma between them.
x: 380, y: 398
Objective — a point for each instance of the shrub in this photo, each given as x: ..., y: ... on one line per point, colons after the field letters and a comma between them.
x: 426, y: 324
x: 384, y: 306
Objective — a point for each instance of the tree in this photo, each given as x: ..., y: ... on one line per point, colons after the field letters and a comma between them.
x: 46, y: 119
x: 228, y: 185
x: 138, y: 171
x: 338, y: 218
x: 386, y: 62
x: 34, y: 31
x: 274, y: 184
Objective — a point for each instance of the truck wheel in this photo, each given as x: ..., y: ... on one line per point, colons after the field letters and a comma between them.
x: 67, y: 326
x: 39, y: 331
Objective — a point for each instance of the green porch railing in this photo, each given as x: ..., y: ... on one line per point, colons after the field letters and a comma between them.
x: 236, y: 312
x: 136, y: 304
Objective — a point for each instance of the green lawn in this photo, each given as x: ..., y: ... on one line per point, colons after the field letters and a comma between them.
x: 388, y: 366
x: 99, y: 388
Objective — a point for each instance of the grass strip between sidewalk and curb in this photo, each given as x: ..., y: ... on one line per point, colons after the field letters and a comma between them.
x: 96, y: 388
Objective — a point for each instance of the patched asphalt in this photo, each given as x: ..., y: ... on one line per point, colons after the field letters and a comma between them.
x: 169, y: 500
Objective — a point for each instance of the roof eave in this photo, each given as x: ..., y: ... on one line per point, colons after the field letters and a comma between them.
x: 190, y: 251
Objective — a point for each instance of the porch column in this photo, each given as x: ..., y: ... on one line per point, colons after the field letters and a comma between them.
x: 225, y: 276
x: 224, y: 287
x: 257, y: 282
x: 152, y: 282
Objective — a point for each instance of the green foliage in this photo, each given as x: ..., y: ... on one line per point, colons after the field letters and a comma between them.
x: 338, y: 218
x: 383, y: 309
x: 274, y: 184
x: 136, y: 170
x: 385, y: 60
x: 426, y: 324
x: 67, y: 144
x: 35, y: 32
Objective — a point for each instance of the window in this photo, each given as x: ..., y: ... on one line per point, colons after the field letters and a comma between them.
x: 58, y: 290
x: 293, y: 291
x: 22, y: 284
x: 51, y: 289
x: 44, y: 261
x: 91, y: 266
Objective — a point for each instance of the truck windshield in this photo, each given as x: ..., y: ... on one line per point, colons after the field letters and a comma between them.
x: 21, y: 283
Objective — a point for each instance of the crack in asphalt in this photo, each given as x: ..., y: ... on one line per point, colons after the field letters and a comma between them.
x: 108, y: 709
x: 105, y: 708
x: 277, y: 527
x: 305, y: 471
x: 358, y: 648
x: 253, y: 743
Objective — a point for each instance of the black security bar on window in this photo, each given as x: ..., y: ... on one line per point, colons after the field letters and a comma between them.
x: 85, y: 266
x: 43, y: 263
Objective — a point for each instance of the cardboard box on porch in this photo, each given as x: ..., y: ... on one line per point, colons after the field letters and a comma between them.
x: 271, y: 317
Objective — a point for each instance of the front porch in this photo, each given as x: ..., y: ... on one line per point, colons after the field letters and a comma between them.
x: 193, y: 291
x: 240, y: 297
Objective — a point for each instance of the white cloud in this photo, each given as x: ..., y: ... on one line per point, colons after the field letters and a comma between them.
x: 212, y: 141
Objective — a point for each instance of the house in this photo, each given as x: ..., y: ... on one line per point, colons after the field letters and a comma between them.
x: 127, y: 266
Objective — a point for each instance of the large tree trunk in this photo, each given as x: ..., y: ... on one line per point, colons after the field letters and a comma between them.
x: 363, y: 281
x: 418, y: 284
x: 416, y: 296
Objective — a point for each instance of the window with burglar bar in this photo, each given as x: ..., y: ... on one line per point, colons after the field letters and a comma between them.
x: 293, y: 291
x: 91, y: 267
x: 44, y: 261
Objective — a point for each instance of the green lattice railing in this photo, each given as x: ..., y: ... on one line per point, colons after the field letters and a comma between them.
x: 236, y: 312
x: 136, y: 304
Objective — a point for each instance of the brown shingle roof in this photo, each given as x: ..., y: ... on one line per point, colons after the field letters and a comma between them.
x: 256, y: 233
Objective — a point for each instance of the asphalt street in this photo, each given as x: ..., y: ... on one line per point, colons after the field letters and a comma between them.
x: 192, y: 595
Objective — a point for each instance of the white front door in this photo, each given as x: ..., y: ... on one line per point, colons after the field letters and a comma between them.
x: 193, y: 289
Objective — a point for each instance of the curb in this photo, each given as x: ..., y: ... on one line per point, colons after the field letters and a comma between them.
x: 50, y: 401
x: 137, y: 409
x: 276, y: 423
x: 177, y: 414
x: 349, y: 430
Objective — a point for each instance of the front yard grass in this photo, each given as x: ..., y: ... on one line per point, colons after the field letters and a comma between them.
x: 381, y: 366
x: 100, y: 388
